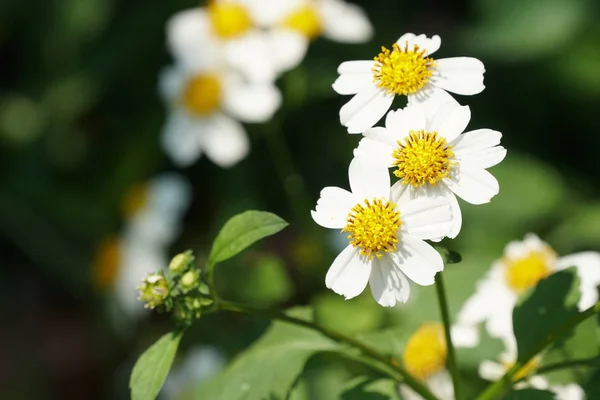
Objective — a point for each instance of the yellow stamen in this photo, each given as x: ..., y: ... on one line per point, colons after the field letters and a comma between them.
x: 135, y: 200
x: 402, y: 71
x: 202, y: 94
x: 106, y: 264
x: 306, y: 21
x: 522, y: 273
x: 424, y: 157
x: 425, y: 352
x: 229, y: 19
x: 373, y: 227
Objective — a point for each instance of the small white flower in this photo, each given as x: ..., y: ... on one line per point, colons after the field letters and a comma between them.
x: 205, y: 106
x: 432, y: 155
x: 522, y: 266
x: 386, y: 229
x: 406, y: 70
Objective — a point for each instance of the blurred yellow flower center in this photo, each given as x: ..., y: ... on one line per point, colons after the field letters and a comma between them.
x: 135, y: 200
x: 526, y: 272
x: 229, y: 19
x: 402, y: 71
x: 373, y: 227
x: 425, y: 352
x: 202, y: 94
x: 525, y: 370
x: 106, y: 265
x: 422, y: 158
x: 305, y: 20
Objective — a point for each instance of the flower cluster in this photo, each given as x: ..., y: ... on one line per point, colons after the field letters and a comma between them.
x: 432, y: 158
x: 228, y: 55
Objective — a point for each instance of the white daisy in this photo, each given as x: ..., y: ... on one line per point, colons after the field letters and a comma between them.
x: 522, y: 266
x: 406, y: 70
x: 386, y: 229
x: 432, y: 155
x: 205, y: 106
x: 424, y: 357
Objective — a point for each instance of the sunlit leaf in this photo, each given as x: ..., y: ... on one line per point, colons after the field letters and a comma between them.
x: 371, y: 389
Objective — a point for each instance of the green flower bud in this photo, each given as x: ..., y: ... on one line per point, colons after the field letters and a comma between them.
x: 180, y: 261
x: 153, y: 290
x: 189, y: 279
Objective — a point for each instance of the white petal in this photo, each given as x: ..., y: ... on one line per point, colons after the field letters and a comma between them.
x: 375, y: 151
x: 365, y: 109
x: 479, y: 147
x: 349, y: 273
x: 588, y: 270
x: 251, y: 55
x: 430, y: 96
x: 333, y: 207
x: 456, y: 218
x: 430, y: 44
x: 461, y: 75
x: 426, y: 217
x: 267, y: 13
x: 450, y: 120
x: 418, y: 260
x: 538, y: 382
x: 171, y: 82
x: 169, y: 195
x: 570, y: 391
x: 356, y: 67
x: 466, y: 336
x: 368, y: 181
x: 387, y: 282
x: 288, y: 48
x: 381, y: 135
x: 400, y: 122
x: 353, y: 83
x: 251, y: 102
x: 182, y: 138
x: 472, y: 183
x: 225, y: 141
x: 441, y: 385
x: 345, y: 22
x: 491, y: 371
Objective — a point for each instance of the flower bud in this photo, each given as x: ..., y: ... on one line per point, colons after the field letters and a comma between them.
x: 179, y: 262
x: 189, y: 279
x: 153, y: 290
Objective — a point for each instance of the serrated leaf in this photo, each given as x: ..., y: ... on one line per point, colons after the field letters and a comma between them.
x: 544, y: 308
x: 530, y: 394
x: 152, y: 368
x: 243, y: 230
x: 269, y: 368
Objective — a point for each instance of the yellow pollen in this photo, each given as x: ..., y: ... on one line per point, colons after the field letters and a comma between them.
x: 425, y: 352
x: 202, y: 94
x: 525, y: 370
x: 229, y: 19
x: 423, y: 158
x: 522, y: 273
x: 135, y: 200
x: 106, y: 264
x: 373, y: 227
x: 305, y: 20
x: 402, y: 71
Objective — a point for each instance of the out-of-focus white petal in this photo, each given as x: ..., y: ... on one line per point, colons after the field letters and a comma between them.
x: 571, y: 391
x: 171, y: 83
x: 344, y: 22
x: 588, y: 269
x: 333, y: 207
x: 368, y: 181
x: 250, y: 102
x: 225, y: 141
x: 472, y: 183
x: 466, y: 336
x: 182, y: 138
x: 461, y: 75
x: 169, y: 195
x: 418, y: 260
x: 430, y: 44
x: 491, y: 371
x: 349, y: 273
x: 288, y: 48
x: 387, y: 282
x: 251, y: 55
x: 365, y: 109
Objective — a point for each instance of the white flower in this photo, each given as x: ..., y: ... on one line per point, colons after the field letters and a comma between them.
x: 523, y: 264
x: 293, y: 23
x: 407, y: 69
x: 386, y: 229
x: 432, y: 155
x: 205, y: 106
x: 493, y: 371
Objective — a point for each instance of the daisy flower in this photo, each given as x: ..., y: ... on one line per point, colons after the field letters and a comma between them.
x: 523, y: 265
x: 386, y: 232
x: 493, y: 371
x: 432, y: 155
x: 424, y: 357
x: 406, y: 70
x: 205, y: 105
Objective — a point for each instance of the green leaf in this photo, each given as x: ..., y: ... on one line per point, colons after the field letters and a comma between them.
x: 530, y: 394
x: 242, y: 231
x: 449, y: 256
x: 545, y: 308
x: 269, y: 368
x: 371, y: 389
x: 151, y: 369
x: 592, y: 386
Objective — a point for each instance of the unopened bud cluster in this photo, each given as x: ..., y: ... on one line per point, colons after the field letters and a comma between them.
x: 179, y: 291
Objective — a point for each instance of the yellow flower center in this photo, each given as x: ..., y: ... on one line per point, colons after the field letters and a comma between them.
x: 229, y: 19
x: 526, y: 272
x: 422, y: 158
x: 402, y: 71
x: 525, y: 370
x: 425, y: 352
x: 373, y: 227
x: 306, y: 21
x: 202, y: 94
x: 106, y: 265
x: 135, y: 200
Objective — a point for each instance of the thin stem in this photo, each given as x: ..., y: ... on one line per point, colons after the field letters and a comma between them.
x: 497, y: 389
x: 389, y: 362
x: 452, y: 366
x: 579, y: 362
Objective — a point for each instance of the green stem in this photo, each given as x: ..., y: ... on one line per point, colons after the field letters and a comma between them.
x: 497, y: 389
x: 579, y: 362
x: 390, y: 363
x: 452, y: 366
x: 210, y: 281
